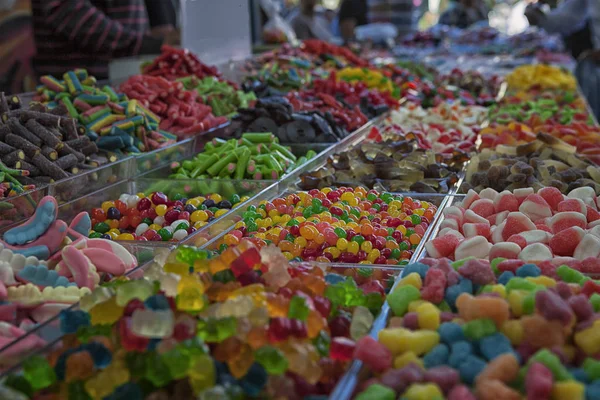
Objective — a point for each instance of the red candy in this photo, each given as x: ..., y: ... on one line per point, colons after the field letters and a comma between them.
x: 374, y: 354
x: 341, y: 348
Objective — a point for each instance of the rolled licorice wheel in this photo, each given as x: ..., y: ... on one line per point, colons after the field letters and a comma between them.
x: 66, y: 162
x: 18, y: 129
x: 50, y: 153
x: 44, y: 134
x: 17, y: 142
x: 49, y: 168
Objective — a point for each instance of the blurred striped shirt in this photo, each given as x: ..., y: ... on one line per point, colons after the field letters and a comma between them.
x: 88, y: 34
x: 400, y: 13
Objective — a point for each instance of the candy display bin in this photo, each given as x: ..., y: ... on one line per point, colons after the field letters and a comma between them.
x: 451, y: 200
x: 91, y: 181
x: 152, y: 160
x: 69, y: 210
x: 17, y: 208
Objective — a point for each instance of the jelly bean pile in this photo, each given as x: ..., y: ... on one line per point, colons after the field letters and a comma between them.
x: 343, y: 225
x: 249, y: 326
x: 465, y: 330
x: 156, y: 217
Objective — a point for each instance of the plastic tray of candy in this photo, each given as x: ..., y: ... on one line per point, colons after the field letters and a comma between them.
x: 12, y: 355
x: 18, y: 208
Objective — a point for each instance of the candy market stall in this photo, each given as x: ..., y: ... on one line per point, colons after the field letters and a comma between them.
x: 321, y: 227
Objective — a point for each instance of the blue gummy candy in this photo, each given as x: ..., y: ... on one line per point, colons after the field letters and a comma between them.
x: 128, y: 391
x: 437, y: 356
x: 505, y: 277
x: 99, y: 353
x: 40, y: 275
x: 470, y: 368
x: 528, y: 270
x: 419, y: 268
x: 466, y: 285
x: 459, y: 351
x: 71, y: 321
x: 39, y: 252
x: 332, y: 279
x: 494, y: 345
x: 452, y: 293
x: 152, y: 344
x: 254, y: 381
x: 580, y: 375
x: 592, y: 391
x: 157, y: 302
x: 450, y: 332
x: 42, y: 219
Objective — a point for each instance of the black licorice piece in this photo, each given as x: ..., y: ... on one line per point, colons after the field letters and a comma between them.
x: 60, y: 110
x: 12, y: 158
x: 56, y: 133
x: 78, y: 143
x: 69, y: 127
x: 6, y: 149
x: 14, y: 103
x: 48, y: 168
x: 18, y: 142
x: 37, y: 106
x: 89, y: 149
x: 69, y: 150
x: 33, y: 170
x: 74, y: 170
x: 44, y: 134
x: 41, y: 117
x: 19, y: 130
x: 4, y: 130
x: 3, y: 103
x: 66, y: 162
x: 50, y: 153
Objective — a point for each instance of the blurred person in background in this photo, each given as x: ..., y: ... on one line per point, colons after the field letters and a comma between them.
x: 400, y: 13
x: 575, y: 20
x: 464, y: 13
x: 310, y: 24
x: 88, y: 34
x: 353, y: 13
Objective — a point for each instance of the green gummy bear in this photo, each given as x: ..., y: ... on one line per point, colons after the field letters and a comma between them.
x: 595, y: 300
x: 592, y: 368
x: 298, y: 308
x: 553, y: 363
x: 520, y: 284
x: 479, y: 328
x: 272, y: 359
x: 377, y: 392
x: 38, y: 373
x: 401, y: 297
x: 216, y: 330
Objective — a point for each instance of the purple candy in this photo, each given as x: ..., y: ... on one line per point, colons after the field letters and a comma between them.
x: 443, y: 376
x: 411, y: 321
x: 553, y: 307
x: 581, y: 307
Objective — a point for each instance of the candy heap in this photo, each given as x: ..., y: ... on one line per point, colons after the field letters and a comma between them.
x: 156, y: 217
x: 180, y: 110
x: 174, y: 63
x: 38, y: 147
x: 46, y: 266
x: 255, y: 156
x: 546, y: 226
x: 244, y: 324
x: 541, y: 75
x: 112, y: 121
x: 483, y: 89
x: 223, y: 97
x: 348, y: 225
x: 459, y: 331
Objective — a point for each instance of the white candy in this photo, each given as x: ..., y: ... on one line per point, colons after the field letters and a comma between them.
x: 588, y: 247
x: 477, y: 247
x: 159, y: 221
x: 133, y: 200
x: 488, y: 193
x: 536, y: 252
x: 180, y: 221
x: 180, y: 234
x: 141, y: 228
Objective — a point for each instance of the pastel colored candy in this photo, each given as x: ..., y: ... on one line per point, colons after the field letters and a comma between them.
x: 506, y: 250
x: 477, y: 247
x: 516, y: 222
x: 565, y: 220
x: 442, y: 246
x: 535, y: 252
x: 506, y: 201
x: 589, y: 246
x: 483, y: 207
x: 535, y: 207
x: 565, y: 242
x: 45, y: 214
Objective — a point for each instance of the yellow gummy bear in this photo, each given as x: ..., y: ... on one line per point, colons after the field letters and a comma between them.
x: 500, y: 289
x: 571, y: 390
x: 255, y: 291
x: 107, y: 380
x: 400, y: 340
x: 413, y: 305
x: 428, y: 316
x: 515, y: 300
x: 420, y: 391
x: 409, y: 357
x: 106, y: 313
x: 412, y: 279
x: 202, y: 375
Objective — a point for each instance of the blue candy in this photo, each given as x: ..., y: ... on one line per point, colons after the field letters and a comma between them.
x: 332, y: 279
x: 459, y: 351
x: 450, y: 332
x: 505, y: 277
x: 580, y: 375
x: 592, y: 391
x: 36, y: 226
x: 470, y: 368
x: 40, y: 275
x: 419, y: 268
x: 71, y: 321
x: 528, y: 270
x: 452, y: 293
x: 437, y: 356
x: 157, y: 302
x: 253, y: 382
x: 99, y: 353
x: 494, y: 345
